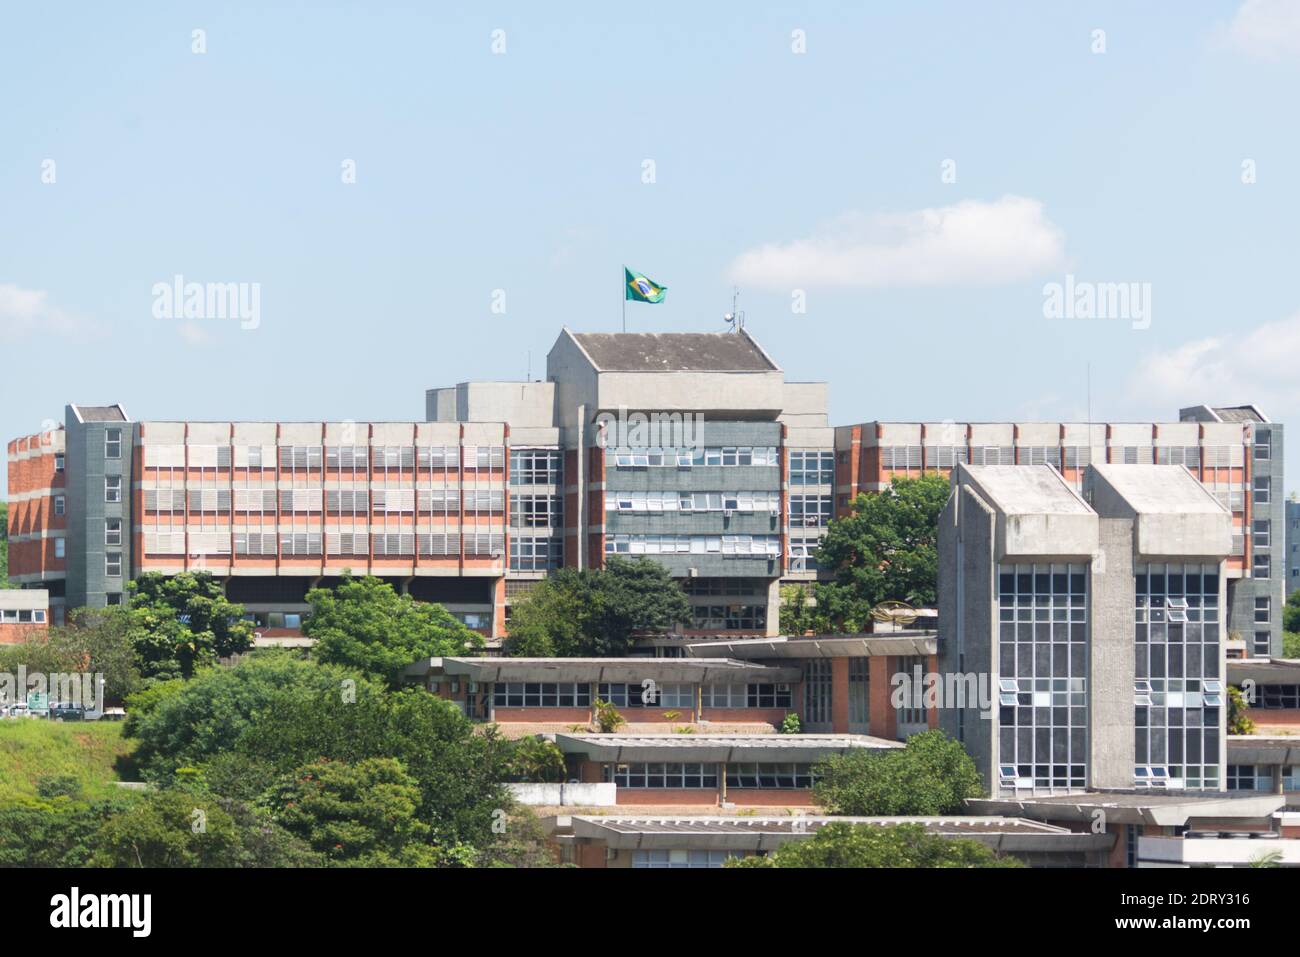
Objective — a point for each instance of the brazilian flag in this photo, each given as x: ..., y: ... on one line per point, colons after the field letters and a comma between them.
x: 640, y: 289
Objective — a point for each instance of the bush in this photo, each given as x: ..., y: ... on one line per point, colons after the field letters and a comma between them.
x: 932, y: 775
x: 875, y: 845
x: 608, y: 718
x: 791, y: 725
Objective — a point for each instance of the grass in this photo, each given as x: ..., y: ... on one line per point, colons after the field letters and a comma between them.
x: 32, y: 749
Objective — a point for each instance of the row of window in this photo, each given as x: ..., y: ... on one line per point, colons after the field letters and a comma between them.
x: 1067, y: 456
x: 736, y: 545
x: 22, y: 616
x: 682, y: 457
x: 642, y: 501
x: 310, y: 543
x: 670, y: 774
x: 569, y: 694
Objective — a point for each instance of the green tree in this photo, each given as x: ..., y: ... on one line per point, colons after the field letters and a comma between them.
x: 182, y: 622
x: 1291, y: 644
x: 873, y: 845
x: 596, y: 612
x: 460, y: 772
x: 4, y: 546
x: 54, y: 833
x: 885, y: 549
x: 364, y: 624
x: 180, y: 828
x: 1239, y: 719
x: 101, y: 641
x: 533, y: 760
x: 1291, y: 612
x: 800, y: 614
x: 180, y: 724
x: 356, y: 814
x: 931, y: 775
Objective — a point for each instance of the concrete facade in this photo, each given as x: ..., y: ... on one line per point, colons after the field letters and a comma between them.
x: 1041, y: 586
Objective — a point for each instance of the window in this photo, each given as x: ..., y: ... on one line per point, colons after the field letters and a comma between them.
x: 535, y: 466
x: 1263, y: 446
x: 113, y: 598
x: 112, y: 488
x: 60, y: 548
x: 58, y: 505
x: 113, y: 531
x: 112, y: 443
x: 1263, y: 485
x: 1263, y: 641
x: 113, y: 564
x: 534, y: 511
x: 812, y: 468
x: 778, y: 777
x: 664, y: 775
x: 58, y: 461
x: 546, y: 694
x: 681, y: 859
x: 813, y: 511
x: 1262, y: 533
x: 1261, y: 566
x: 1263, y: 610
x: 535, y: 554
x: 757, y: 695
x: 1042, y: 676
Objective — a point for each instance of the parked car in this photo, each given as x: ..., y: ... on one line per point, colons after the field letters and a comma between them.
x: 114, y: 714
x: 67, y: 712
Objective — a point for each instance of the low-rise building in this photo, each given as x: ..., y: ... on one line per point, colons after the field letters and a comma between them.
x: 24, y: 612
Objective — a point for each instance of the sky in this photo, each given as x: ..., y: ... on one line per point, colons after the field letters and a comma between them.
x: 423, y: 194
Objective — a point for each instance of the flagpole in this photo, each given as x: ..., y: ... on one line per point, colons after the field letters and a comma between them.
x: 623, y: 283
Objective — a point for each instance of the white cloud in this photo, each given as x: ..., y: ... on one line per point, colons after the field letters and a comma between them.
x: 1259, y: 367
x: 1266, y: 29
x: 24, y: 312
x: 971, y: 242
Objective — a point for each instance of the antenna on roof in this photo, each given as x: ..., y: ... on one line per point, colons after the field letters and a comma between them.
x: 735, y: 319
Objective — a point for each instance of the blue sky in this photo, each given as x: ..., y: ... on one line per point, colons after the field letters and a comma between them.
x: 774, y: 170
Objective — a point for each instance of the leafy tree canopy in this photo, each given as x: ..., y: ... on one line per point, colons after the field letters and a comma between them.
x: 932, y: 775
x: 874, y: 845
x: 181, y: 622
x: 596, y: 613
x: 364, y: 624
x: 886, y: 549
x: 362, y: 814
x: 181, y: 723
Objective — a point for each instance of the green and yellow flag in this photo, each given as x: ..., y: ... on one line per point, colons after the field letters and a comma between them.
x: 638, y: 288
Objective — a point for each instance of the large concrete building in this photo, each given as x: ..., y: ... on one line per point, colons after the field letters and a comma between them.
x: 690, y: 448
x: 1099, y: 617
x: 1235, y: 452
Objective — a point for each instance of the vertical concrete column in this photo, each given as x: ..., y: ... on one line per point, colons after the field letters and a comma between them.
x: 883, y: 718
x: 499, y: 608
x: 932, y: 714
x: 1278, y: 771
x: 840, y: 695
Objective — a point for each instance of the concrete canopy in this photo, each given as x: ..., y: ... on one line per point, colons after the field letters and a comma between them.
x: 633, y: 670
x: 760, y: 748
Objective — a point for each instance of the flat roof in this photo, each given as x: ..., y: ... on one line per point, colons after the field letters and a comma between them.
x: 674, y: 352
x: 1264, y: 748
x: 712, y: 671
x: 766, y: 833
x: 1160, y: 489
x: 822, y: 646
x: 1165, y: 808
x: 790, y: 748
x: 1027, y: 490
x: 1264, y: 671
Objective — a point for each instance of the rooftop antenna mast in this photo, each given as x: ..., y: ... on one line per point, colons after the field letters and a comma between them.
x: 736, y: 318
